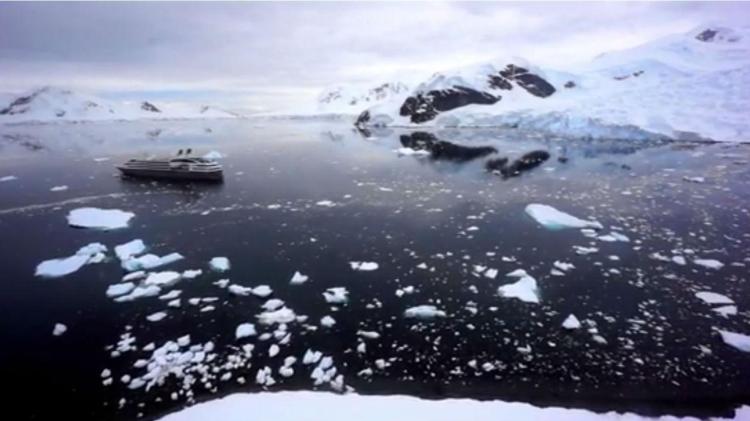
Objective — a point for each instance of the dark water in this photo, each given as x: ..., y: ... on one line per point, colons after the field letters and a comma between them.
x: 662, y: 351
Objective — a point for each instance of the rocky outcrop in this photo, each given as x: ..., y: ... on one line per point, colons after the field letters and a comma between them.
x: 147, y: 106
x: 441, y: 150
x: 424, y: 107
x: 532, y: 83
x: 525, y: 163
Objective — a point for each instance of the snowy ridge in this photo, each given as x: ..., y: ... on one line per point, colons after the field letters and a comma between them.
x: 49, y: 104
x: 351, y: 99
x: 686, y: 86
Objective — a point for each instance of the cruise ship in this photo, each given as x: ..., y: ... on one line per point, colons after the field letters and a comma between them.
x: 181, y: 168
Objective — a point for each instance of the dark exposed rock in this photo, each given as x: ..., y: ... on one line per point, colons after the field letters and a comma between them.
x: 707, y: 35
x: 424, y: 107
x: 527, y: 162
x: 499, y: 82
x: 147, y: 106
x: 532, y: 83
x: 18, y: 102
x: 60, y: 113
x: 441, y: 150
x: 570, y: 84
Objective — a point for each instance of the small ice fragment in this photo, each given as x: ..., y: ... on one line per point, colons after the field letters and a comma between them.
x: 327, y: 321
x: 96, y: 218
x: 54, y: 268
x: 679, y: 260
x: 709, y: 263
x: 219, y: 264
x: 115, y: 290
x: 552, y: 218
x: 424, y: 312
x: 273, y: 350
x: 157, y: 317
x: 713, y: 298
x: 191, y: 273
x: 59, y: 329
x: 525, y: 289
x: 162, y: 279
x: 8, y: 178
x: 298, y: 278
x: 326, y: 203
x: 282, y: 315
x: 272, y: 304
x: 363, y: 266
x: 694, y: 179
x: 726, y: 311
x: 368, y: 334
x: 571, y: 322
x: 311, y: 357
x: 563, y: 266
x: 336, y: 295
x: 59, y: 188
x: 262, y: 291
x: 130, y: 249
x: 491, y: 273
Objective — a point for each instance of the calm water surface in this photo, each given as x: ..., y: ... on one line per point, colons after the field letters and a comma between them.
x: 427, y: 222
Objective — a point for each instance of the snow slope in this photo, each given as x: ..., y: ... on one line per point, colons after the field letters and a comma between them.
x: 351, y: 99
x: 685, y: 86
x: 310, y: 406
x: 55, y: 104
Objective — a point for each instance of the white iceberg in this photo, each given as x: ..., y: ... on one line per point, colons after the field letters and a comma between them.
x: 571, y: 322
x: 244, y: 330
x: 219, y: 264
x: 363, y: 266
x: 525, y: 289
x: 736, y: 340
x: 552, y: 218
x: 327, y: 321
x: 298, y: 278
x: 59, y: 329
x: 96, y: 218
x: 130, y: 249
x: 336, y: 295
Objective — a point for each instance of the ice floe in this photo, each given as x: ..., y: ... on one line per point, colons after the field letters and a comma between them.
x: 150, y: 261
x: 336, y: 295
x: 713, y: 298
x: 219, y: 264
x: 282, y: 315
x: 116, y: 290
x: 709, y: 263
x: 327, y: 321
x: 736, y: 340
x: 244, y: 330
x: 53, y: 268
x: 571, y: 322
x: 130, y: 249
x: 552, y: 218
x: 59, y: 188
x: 96, y: 218
x: 363, y: 266
x: 298, y: 278
x: 424, y: 311
x: 525, y: 289
x: 156, y: 317
x: 59, y: 329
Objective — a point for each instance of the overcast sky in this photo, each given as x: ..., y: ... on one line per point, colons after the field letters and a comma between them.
x: 267, y: 56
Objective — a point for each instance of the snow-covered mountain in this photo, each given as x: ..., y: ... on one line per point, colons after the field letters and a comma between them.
x: 351, y: 99
x: 690, y: 85
x: 56, y: 104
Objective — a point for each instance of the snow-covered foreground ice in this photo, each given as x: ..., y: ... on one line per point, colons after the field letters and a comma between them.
x: 311, y: 406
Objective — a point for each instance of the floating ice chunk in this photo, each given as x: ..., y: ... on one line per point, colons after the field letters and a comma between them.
x: 336, y: 295
x: 8, y: 178
x: 285, y: 371
x: 709, y: 263
x: 327, y: 321
x: 244, y: 330
x: 585, y: 250
x: 694, y: 179
x: 311, y: 357
x: 563, y: 266
x: 713, y: 298
x: 613, y: 236
x: 679, y: 260
x: 140, y: 292
x: 363, y: 266
x: 219, y: 264
x: 90, y: 253
x: 171, y: 295
x: 736, y: 340
x: 273, y: 350
x: 525, y: 289
x: 272, y: 304
x: 106, y: 373
x: 59, y: 329
x: 491, y: 273
x: 552, y: 218
x: 405, y: 290
x: 298, y: 279
x: 214, y: 155
x: 726, y: 311
x: 133, y: 276
x: 239, y: 290
x: 262, y: 291
x: 282, y: 315
x: 59, y: 188
x: 96, y: 218
x: 162, y: 279
x: 326, y: 203
x: 130, y: 249
x: 150, y: 261
x: 362, y: 348
x: 368, y: 334
x: 115, y: 290
x: 157, y: 317
x: 411, y: 152
x: 423, y: 312
x: 571, y: 322
x: 191, y: 273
